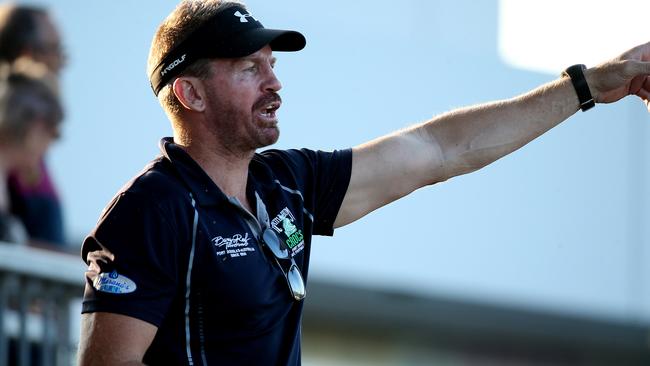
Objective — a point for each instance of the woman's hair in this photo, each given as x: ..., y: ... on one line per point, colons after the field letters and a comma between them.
x: 28, y: 94
x: 19, y: 29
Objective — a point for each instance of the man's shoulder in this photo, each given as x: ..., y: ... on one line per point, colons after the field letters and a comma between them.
x: 157, y: 181
x: 299, y: 160
x: 284, y: 154
x: 154, y: 174
x: 289, y: 158
x: 273, y: 164
x: 153, y: 201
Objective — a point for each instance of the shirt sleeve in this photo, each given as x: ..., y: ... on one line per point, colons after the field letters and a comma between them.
x: 322, y: 177
x: 131, y: 257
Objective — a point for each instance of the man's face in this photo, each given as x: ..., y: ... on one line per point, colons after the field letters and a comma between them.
x: 243, y: 99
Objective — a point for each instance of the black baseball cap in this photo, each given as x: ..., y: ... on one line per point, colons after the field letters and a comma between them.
x: 232, y: 32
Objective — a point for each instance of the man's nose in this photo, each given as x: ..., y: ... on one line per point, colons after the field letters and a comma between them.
x: 272, y: 83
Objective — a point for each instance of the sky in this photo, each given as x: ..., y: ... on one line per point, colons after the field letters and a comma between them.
x: 558, y: 225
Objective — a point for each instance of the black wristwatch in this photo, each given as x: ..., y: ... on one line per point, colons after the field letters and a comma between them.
x: 577, y: 76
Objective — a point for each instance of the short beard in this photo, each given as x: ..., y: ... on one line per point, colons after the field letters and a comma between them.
x: 227, y: 124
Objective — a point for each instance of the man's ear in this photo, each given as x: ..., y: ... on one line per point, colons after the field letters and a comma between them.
x: 190, y: 93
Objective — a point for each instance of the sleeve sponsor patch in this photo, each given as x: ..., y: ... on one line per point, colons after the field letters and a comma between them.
x: 114, y: 283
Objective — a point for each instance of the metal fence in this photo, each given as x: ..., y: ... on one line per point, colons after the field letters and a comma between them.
x: 39, y: 289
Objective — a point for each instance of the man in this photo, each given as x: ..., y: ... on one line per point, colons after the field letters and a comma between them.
x: 28, y: 32
x: 202, y: 258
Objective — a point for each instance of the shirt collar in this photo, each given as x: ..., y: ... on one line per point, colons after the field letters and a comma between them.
x: 193, y: 176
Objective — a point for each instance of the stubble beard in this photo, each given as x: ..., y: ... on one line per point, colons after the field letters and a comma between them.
x: 240, y: 134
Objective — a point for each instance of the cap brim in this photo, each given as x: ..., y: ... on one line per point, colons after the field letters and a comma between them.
x: 253, y: 40
x: 284, y: 40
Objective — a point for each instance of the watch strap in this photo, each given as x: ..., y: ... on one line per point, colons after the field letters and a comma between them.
x: 577, y: 76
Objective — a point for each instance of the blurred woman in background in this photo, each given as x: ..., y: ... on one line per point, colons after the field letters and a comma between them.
x: 30, y: 116
x: 28, y: 32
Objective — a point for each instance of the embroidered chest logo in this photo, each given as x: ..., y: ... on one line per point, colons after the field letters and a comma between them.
x: 283, y: 223
x: 233, y: 247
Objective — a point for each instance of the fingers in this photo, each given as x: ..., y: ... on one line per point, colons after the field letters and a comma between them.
x: 639, y: 72
x: 645, y: 86
x: 644, y: 92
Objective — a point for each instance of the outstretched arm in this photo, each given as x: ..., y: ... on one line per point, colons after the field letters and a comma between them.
x: 468, y: 139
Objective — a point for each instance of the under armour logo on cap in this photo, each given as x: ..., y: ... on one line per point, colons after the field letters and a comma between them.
x: 242, y: 17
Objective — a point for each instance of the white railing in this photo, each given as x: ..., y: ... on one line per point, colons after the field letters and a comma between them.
x: 39, y: 289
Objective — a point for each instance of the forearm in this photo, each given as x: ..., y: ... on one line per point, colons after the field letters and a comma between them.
x: 473, y: 137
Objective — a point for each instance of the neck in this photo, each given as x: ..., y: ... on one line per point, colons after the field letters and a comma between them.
x: 228, y: 169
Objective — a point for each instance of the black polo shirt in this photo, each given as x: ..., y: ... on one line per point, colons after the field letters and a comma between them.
x: 171, y: 249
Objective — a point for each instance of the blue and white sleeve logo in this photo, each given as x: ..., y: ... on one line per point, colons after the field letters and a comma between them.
x: 114, y: 283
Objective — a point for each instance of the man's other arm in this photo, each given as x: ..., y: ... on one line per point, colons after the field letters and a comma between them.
x: 468, y: 139
x: 113, y: 339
